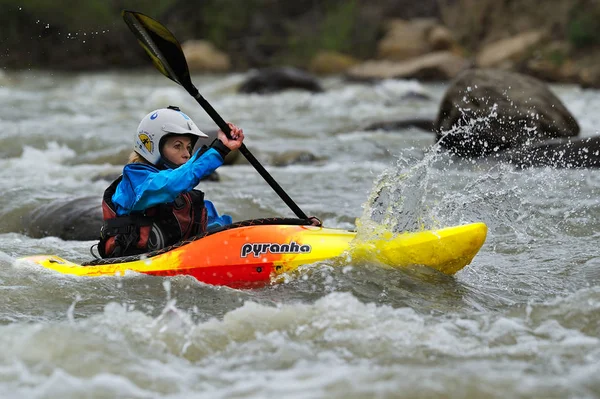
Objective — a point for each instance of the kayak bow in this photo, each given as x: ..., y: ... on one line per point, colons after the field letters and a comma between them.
x: 249, y: 253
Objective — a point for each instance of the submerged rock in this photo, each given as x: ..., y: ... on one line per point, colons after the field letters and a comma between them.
x: 69, y: 219
x: 419, y: 123
x: 559, y: 153
x: 294, y: 158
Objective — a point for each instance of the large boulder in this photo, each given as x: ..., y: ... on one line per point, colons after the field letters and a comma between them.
x: 487, y: 111
x: 69, y: 219
x: 271, y: 80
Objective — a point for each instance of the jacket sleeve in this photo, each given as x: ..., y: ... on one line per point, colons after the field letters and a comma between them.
x: 164, y: 186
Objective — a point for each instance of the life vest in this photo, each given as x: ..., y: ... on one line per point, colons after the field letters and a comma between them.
x: 157, y: 227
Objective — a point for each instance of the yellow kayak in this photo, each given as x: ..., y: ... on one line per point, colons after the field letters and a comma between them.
x: 255, y: 252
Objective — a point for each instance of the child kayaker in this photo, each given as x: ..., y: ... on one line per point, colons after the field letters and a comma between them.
x: 153, y: 204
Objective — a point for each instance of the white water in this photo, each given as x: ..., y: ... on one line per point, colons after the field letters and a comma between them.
x: 521, y: 321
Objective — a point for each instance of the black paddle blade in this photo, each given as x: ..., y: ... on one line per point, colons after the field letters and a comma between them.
x: 162, y: 47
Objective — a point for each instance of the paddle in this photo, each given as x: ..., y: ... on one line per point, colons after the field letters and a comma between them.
x: 167, y: 56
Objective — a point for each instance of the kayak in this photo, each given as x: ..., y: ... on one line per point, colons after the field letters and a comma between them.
x: 255, y: 252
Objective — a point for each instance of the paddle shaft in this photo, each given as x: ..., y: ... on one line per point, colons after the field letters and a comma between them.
x: 253, y: 161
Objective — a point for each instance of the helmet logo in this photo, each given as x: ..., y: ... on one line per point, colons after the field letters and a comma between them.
x: 147, y: 142
x: 154, y: 116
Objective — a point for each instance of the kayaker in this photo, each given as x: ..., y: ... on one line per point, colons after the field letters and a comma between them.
x: 153, y: 204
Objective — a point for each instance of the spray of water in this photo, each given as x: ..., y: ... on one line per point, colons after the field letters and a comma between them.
x: 419, y: 197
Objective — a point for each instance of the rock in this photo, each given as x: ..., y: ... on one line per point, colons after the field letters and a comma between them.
x: 416, y: 95
x: 506, y: 52
x: 559, y: 61
x: 441, y: 65
x: 487, y: 111
x: 69, y: 219
x: 589, y: 77
x: 440, y: 38
x: 331, y: 62
x: 559, y: 153
x: 405, y: 39
x: 271, y: 80
x: 420, y: 123
x: 202, y: 56
x: 294, y: 158
x: 551, y: 72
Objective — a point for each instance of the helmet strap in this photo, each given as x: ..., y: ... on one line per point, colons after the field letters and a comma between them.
x: 164, y: 163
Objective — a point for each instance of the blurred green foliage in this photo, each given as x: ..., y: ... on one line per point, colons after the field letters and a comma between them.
x: 224, y: 19
x: 557, y: 57
x: 334, y: 33
x: 336, y: 29
x: 583, y: 29
x: 78, y: 14
x: 253, y: 32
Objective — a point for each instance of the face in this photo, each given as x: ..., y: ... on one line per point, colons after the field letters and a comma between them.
x: 177, y: 149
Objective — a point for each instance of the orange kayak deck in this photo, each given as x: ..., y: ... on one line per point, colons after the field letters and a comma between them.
x: 255, y: 255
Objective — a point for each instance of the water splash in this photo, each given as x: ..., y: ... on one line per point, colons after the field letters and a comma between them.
x: 417, y: 197
x: 396, y: 200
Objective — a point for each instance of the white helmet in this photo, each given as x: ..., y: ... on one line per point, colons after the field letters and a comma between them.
x: 156, y: 126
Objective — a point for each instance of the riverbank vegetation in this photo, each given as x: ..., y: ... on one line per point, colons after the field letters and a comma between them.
x: 562, y: 43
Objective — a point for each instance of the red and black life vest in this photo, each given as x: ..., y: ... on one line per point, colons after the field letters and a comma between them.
x: 157, y: 227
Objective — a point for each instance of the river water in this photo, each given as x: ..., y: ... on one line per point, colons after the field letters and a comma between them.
x: 523, y: 320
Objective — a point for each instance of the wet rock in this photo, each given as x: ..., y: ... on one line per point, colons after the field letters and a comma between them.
x: 441, y: 65
x: 487, y: 111
x: 416, y: 95
x: 559, y: 153
x: 272, y: 80
x: 69, y: 219
x: 294, y: 158
x: 419, y: 123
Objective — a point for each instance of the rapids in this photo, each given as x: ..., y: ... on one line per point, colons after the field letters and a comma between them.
x: 523, y: 320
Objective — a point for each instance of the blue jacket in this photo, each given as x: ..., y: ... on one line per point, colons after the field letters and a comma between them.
x: 144, y: 186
